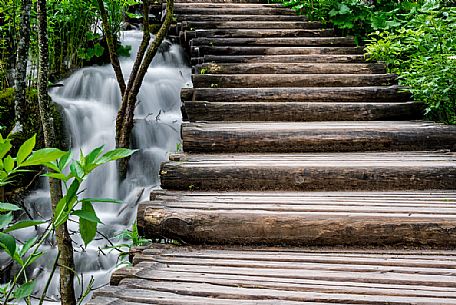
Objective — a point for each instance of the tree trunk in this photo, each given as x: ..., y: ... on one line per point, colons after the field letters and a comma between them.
x: 20, y: 86
x: 66, y: 261
x: 111, y: 47
x: 124, y: 120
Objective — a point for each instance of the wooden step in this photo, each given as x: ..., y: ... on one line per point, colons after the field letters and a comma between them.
x: 258, y: 10
x: 330, y: 94
x: 240, y: 50
x: 291, y: 80
x: 278, y: 59
x: 257, y: 33
x: 236, y: 17
x: 221, y: 5
x: 275, y: 41
x: 301, y: 111
x: 325, y: 219
x: 283, y: 137
x: 290, y: 68
x: 268, y: 276
x: 242, y: 24
x: 191, y: 2
x: 371, y: 171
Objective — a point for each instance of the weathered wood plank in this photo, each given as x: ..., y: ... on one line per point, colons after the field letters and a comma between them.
x: 291, y: 80
x: 279, y: 59
x: 257, y: 33
x: 312, y: 172
x: 330, y: 94
x: 221, y: 24
x: 275, y: 41
x: 243, y: 50
x: 301, y: 111
x: 236, y: 17
x: 291, y: 68
x: 225, y: 137
x: 258, y: 10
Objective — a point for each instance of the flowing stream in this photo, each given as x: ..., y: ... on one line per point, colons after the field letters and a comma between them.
x: 90, y: 98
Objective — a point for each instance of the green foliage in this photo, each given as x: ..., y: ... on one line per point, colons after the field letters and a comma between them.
x: 72, y: 173
x: 423, y: 52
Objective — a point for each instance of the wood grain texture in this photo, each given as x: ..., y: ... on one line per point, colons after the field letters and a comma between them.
x: 275, y: 41
x: 271, y: 50
x: 257, y: 33
x: 292, y: 80
x: 236, y: 17
x: 280, y: 94
x: 312, y: 172
x: 278, y: 59
x: 324, y: 219
x: 301, y: 111
x: 249, y: 24
x: 225, y: 137
x: 210, y: 275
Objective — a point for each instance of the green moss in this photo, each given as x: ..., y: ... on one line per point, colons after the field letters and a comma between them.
x: 7, y: 109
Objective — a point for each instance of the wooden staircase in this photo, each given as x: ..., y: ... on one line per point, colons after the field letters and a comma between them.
x: 306, y: 176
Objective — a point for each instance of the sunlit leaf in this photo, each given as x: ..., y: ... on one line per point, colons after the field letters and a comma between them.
x: 42, y: 156
x: 25, y: 150
x: 115, y: 154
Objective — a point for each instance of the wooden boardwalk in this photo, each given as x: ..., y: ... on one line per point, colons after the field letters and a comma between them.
x: 307, y: 175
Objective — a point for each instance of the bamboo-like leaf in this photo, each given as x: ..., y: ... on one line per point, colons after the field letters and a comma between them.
x: 23, y: 224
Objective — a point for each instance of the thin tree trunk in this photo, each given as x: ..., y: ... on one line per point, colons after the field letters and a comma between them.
x: 111, y: 47
x: 20, y: 85
x: 66, y: 261
x: 124, y: 121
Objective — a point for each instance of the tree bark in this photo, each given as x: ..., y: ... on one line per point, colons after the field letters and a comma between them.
x: 124, y: 120
x: 66, y: 261
x: 20, y: 86
x: 110, y: 41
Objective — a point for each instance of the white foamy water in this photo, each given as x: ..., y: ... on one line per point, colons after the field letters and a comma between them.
x: 90, y: 99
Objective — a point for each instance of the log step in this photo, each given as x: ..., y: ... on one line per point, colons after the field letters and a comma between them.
x: 301, y: 111
x: 236, y: 17
x: 257, y: 33
x: 221, y: 5
x: 191, y: 2
x: 242, y: 24
x: 279, y: 59
x: 317, y: 219
x: 275, y: 41
x: 370, y: 171
x: 269, y: 276
x: 228, y: 137
x: 290, y: 68
x: 229, y: 50
x: 258, y: 10
x: 329, y: 94
x: 291, y: 80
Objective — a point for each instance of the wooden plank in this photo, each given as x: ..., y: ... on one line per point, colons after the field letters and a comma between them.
x: 275, y: 41
x: 258, y: 33
x: 291, y: 68
x: 312, y: 172
x: 301, y: 111
x: 275, y: 95
x: 243, y: 24
x: 225, y: 137
x: 292, y: 80
x: 236, y: 17
x: 270, y: 50
x: 258, y: 10
x: 279, y: 59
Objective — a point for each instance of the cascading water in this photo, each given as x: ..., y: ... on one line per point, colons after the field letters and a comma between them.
x: 90, y: 99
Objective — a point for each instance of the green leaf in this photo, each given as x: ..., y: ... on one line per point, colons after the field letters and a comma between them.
x: 25, y: 150
x: 87, y: 228
x: 107, y: 200
x: 52, y: 166
x: 5, y: 148
x: 23, y: 224
x: 28, y: 245
x: 8, y: 164
x: 57, y: 176
x: 77, y: 170
x: 5, y: 220
x: 7, y: 207
x: 89, y: 215
x: 24, y: 290
x: 115, y: 154
x: 65, y: 160
x: 93, y: 155
x: 43, y: 156
x: 8, y: 243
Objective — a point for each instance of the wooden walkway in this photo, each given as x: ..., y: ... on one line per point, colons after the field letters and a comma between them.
x: 306, y: 177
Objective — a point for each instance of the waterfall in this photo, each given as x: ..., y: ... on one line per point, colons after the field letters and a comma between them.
x: 89, y: 99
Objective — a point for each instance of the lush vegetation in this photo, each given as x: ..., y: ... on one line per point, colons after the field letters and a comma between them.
x: 415, y: 38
